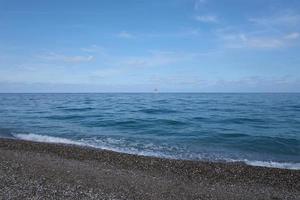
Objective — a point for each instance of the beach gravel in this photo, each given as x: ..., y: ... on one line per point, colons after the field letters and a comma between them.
x: 31, y: 170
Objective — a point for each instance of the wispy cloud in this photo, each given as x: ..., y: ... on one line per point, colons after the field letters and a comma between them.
x: 259, y: 42
x: 177, y: 79
x: 65, y: 58
x: 125, y: 35
x: 199, y: 3
x: 257, y: 84
x: 153, y: 59
x: 158, y: 58
x: 287, y: 18
x: 207, y: 18
x: 185, y: 32
x: 270, y: 32
x: 92, y: 49
x: 292, y: 36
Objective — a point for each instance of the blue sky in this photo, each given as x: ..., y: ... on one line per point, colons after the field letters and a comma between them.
x: 140, y: 45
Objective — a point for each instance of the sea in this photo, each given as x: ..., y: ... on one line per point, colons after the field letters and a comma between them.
x: 261, y: 129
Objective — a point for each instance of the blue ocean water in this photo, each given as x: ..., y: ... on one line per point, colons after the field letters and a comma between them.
x: 260, y: 129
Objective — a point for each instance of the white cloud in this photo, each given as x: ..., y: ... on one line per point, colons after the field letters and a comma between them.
x: 207, y: 18
x: 125, y: 35
x: 64, y: 58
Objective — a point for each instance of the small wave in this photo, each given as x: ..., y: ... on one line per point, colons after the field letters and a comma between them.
x: 199, y: 118
x: 47, y: 139
x: 134, y: 123
x: 234, y: 135
x: 64, y: 117
x: 242, y: 120
x: 172, y: 122
x: 6, y: 133
x: 157, y: 111
x: 78, y: 109
x: 294, y: 107
x: 111, y: 144
x: 272, y: 164
x: 112, y: 123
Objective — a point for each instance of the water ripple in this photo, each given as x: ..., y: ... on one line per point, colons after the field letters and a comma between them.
x: 263, y: 128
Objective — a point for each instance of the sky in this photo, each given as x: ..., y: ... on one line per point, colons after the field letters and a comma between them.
x: 148, y: 45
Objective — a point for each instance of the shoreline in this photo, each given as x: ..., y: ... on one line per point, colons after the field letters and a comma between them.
x: 47, y: 170
x: 58, y: 140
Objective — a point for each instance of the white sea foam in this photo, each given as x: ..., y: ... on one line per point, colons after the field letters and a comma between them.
x: 107, y: 145
x: 283, y: 165
x: 44, y: 138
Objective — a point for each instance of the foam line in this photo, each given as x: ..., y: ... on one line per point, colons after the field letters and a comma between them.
x: 50, y: 139
x: 44, y: 138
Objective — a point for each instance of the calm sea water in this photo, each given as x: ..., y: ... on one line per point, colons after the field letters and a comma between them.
x: 260, y: 129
